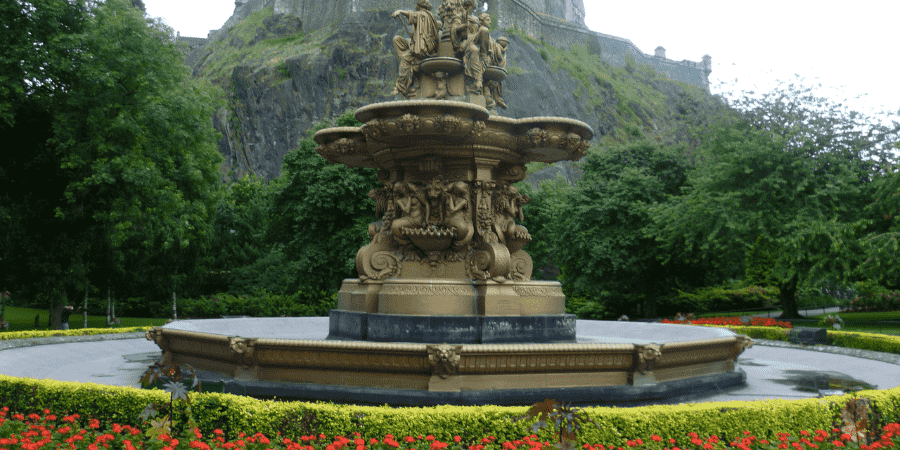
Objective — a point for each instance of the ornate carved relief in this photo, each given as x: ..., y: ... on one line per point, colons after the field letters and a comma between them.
x: 478, y: 128
x: 374, y: 130
x: 538, y: 291
x: 430, y: 290
x: 244, y: 349
x: 743, y: 343
x: 535, y: 137
x: 647, y: 357
x: 444, y: 359
x: 513, y: 174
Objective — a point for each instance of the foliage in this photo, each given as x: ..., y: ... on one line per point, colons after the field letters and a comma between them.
x: 600, y: 241
x: 871, y: 296
x: 793, y: 169
x: 566, y: 420
x: 239, y: 247
x: 303, y: 303
x: 725, y: 297
x: 546, y: 207
x: 117, y: 164
x: 321, y: 214
x: 760, y: 260
x: 881, y: 226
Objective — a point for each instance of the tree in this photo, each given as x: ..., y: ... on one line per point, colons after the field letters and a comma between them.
x: 117, y: 160
x: 242, y: 220
x: 879, y: 231
x: 321, y: 215
x: 547, y: 206
x: 795, y: 170
x: 601, y: 241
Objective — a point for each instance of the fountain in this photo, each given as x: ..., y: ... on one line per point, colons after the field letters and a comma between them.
x: 444, y: 309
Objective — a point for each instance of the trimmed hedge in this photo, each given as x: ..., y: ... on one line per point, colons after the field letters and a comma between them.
x: 233, y: 414
x: 725, y: 298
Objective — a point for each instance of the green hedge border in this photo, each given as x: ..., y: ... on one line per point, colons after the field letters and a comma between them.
x: 231, y: 413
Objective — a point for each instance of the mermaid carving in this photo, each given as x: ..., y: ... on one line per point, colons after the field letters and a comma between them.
x: 413, y: 208
x: 509, y: 206
x: 457, y: 214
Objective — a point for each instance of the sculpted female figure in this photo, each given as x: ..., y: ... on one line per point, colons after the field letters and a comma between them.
x: 476, y: 52
x: 413, y: 210
x: 457, y: 213
x: 422, y: 42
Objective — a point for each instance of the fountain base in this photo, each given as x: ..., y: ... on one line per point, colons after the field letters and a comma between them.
x: 431, y: 329
x: 612, y: 363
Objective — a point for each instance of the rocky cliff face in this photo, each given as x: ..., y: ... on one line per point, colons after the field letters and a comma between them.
x: 278, y: 83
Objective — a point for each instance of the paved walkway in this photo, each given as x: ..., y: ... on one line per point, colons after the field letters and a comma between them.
x: 774, y: 369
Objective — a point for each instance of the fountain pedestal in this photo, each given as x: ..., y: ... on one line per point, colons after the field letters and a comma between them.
x: 444, y: 310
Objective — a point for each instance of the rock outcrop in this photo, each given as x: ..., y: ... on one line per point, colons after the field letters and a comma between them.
x: 279, y: 82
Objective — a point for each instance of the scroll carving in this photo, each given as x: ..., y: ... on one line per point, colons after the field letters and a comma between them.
x: 444, y: 359
x: 244, y: 348
x: 521, y: 267
x: 648, y: 356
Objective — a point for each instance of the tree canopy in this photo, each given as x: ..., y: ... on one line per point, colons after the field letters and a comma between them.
x: 116, y: 162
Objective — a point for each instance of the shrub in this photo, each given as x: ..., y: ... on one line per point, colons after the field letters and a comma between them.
x: 724, y: 298
x: 873, y: 297
x: 261, y: 304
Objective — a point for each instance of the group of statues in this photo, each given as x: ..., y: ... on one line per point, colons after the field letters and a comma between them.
x: 471, y: 40
x: 445, y: 204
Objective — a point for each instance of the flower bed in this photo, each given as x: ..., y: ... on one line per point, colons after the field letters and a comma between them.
x: 735, y: 321
x: 37, y: 432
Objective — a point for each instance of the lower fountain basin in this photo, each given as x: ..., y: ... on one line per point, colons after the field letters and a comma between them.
x: 619, y: 363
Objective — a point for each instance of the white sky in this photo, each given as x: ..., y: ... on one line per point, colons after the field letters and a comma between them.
x: 851, y: 47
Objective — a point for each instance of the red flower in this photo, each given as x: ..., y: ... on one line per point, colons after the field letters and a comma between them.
x: 656, y: 438
x: 456, y: 439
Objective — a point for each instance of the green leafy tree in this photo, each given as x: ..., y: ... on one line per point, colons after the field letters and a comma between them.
x: 547, y: 206
x: 116, y: 173
x: 795, y: 170
x: 760, y: 263
x: 601, y: 241
x: 879, y: 232
x: 242, y: 218
x: 321, y: 215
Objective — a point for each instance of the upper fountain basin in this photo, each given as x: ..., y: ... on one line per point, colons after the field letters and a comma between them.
x: 407, y: 130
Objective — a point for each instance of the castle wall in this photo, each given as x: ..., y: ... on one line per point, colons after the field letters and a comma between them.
x: 613, y: 49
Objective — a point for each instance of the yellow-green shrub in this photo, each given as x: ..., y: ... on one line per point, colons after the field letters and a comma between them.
x: 294, y: 419
x: 866, y: 341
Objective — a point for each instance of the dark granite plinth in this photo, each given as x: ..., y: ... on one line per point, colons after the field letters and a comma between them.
x: 373, y: 327
x: 803, y: 335
x: 668, y: 392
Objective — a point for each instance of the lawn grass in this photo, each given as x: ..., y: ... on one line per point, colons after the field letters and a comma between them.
x: 871, y: 316
x: 22, y: 319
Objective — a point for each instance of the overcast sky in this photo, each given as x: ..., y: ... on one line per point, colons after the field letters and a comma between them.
x: 850, y: 47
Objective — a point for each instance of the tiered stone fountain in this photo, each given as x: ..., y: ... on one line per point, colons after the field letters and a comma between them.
x: 445, y: 285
